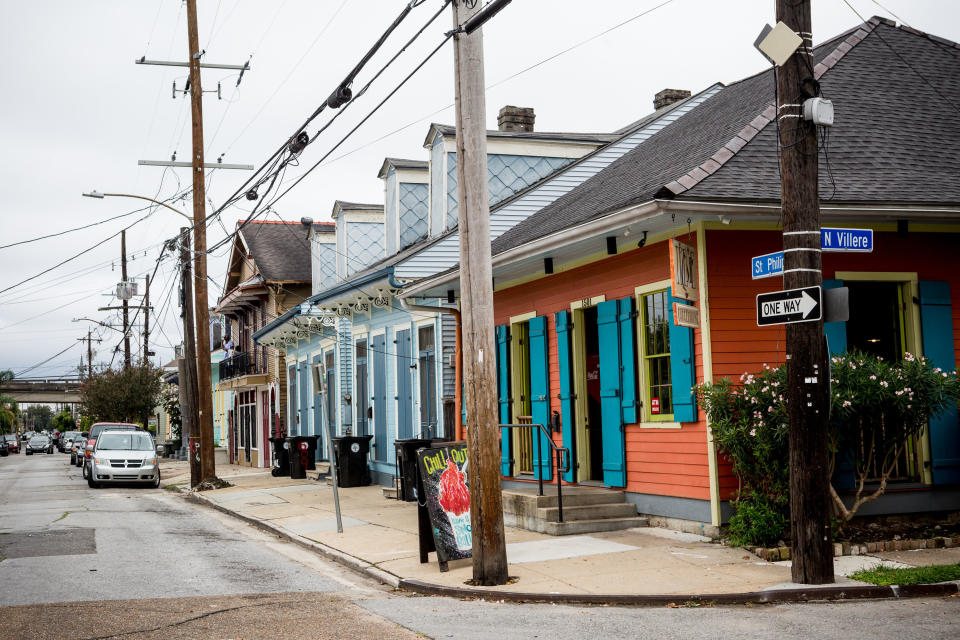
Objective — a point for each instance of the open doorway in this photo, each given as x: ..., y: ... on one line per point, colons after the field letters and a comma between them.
x: 588, y: 432
x: 877, y: 325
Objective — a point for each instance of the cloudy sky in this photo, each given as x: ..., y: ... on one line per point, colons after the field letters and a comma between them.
x: 77, y: 115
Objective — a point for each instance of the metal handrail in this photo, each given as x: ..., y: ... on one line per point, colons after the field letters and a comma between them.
x: 561, y: 468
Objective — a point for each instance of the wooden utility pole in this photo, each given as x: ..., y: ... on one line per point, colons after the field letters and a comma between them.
x: 146, y: 322
x: 187, y: 366
x: 811, y: 549
x: 204, y: 390
x: 89, y: 341
x: 476, y: 284
x: 126, y: 303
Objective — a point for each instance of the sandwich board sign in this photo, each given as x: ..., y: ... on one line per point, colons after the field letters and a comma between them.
x: 789, y: 306
x: 446, y: 493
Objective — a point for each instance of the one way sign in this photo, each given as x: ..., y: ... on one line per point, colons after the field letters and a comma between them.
x: 792, y: 305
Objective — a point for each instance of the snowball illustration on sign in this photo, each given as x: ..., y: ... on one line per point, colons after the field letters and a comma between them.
x: 455, y: 501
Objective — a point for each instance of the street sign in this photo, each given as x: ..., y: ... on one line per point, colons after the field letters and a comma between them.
x: 767, y: 266
x: 792, y: 305
x: 859, y: 240
x: 831, y: 240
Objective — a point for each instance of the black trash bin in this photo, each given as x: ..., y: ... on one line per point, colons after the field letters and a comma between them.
x: 406, y: 453
x: 281, y: 457
x: 351, y: 452
x: 299, y: 451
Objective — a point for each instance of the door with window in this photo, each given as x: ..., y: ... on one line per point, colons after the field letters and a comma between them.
x: 330, y: 364
x: 379, y: 396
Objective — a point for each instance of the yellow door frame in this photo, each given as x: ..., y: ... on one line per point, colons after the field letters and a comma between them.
x: 520, y: 389
x: 579, y: 363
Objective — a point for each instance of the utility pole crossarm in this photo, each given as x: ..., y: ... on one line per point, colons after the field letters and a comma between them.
x: 203, y: 65
x: 206, y: 165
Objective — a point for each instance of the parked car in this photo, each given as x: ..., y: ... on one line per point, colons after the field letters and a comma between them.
x: 124, y: 456
x: 4, y: 448
x: 92, y: 435
x: 39, y: 444
x: 76, y: 449
x: 13, y: 442
x: 65, y: 441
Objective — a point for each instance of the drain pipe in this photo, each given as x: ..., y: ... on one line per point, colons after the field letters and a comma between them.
x: 458, y: 376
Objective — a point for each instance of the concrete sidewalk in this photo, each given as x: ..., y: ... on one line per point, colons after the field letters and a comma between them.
x: 631, y: 566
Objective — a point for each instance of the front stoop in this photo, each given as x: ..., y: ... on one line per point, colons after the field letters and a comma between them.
x: 585, y: 510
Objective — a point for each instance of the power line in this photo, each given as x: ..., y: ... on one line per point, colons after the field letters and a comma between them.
x: 29, y: 369
x: 904, y: 61
x: 65, y: 232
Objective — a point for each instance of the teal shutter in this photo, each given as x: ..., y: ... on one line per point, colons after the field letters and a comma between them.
x: 562, y: 321
x: 936, y: 323
x: 540, y: 395
x: 628, y: 360
x: 836, y: 332
x: 503, y: 395
x: 614, y: 447
x: 682, y: 367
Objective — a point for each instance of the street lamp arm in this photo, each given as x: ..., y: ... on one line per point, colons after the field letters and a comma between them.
x: 98, y: 322
x: 96, y: 194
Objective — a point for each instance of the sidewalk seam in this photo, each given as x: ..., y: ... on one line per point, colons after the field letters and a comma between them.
x: 351, y: 562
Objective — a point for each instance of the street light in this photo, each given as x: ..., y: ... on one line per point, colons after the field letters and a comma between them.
x: 97, y: 322
x: 101, y: 196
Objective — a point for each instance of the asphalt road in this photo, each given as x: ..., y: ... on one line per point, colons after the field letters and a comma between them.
x: 128, y: 562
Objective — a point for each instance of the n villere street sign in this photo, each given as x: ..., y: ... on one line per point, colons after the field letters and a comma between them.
x: 792, y: 305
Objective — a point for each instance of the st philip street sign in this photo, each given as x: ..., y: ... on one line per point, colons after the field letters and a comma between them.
x: 792, y: 305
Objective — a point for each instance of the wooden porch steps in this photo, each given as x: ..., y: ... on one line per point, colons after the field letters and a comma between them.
x: 585, y: 510
x: 392, y: 492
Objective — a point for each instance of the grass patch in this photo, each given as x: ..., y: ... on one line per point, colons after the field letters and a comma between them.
x: 886, y: 576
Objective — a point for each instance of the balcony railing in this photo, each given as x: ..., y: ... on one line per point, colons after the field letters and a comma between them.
x: 241, y: 364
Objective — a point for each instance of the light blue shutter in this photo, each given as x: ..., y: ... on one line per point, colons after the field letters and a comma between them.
x: 937, y: 327
x: 836, y: 332
x: 562, y: 320
x: 503, y: 397
x: 682, y: 367
x: 614, y: 447
x: 318, y: 416
x: 540, y: 395
x: 628, y: 361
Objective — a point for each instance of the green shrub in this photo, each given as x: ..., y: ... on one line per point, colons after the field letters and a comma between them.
x: 759, y: 520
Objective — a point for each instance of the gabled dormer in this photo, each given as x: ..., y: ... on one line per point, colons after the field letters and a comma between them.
x: 359, y: 235
x: 406, y: 202
x: 323, y: 265
x: 517, y: 157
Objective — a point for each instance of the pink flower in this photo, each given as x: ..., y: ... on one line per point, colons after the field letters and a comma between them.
x: 847, y: 403
x: 873, y: 377
x: 753, y: 432
x: 884, y: 384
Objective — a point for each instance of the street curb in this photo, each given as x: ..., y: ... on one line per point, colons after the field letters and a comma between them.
x: 351, y: 562
x: 770, y: 596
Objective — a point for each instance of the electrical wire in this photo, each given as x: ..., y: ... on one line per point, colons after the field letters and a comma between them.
x: 904, y: 61
x: 65, y: 232
x: 59, y: 353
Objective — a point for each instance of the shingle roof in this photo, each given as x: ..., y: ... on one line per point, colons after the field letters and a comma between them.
x: 895, y: 140
x: 451, y: 131
x: 281, y: 251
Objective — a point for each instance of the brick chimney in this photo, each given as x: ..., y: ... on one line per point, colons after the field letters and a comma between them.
x: 669, y: 96
x: 516, y: 119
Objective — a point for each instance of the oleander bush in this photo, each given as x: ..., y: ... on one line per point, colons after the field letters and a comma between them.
x: 876, y: 408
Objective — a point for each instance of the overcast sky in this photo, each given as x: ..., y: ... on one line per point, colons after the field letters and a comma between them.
x: 78, y: 114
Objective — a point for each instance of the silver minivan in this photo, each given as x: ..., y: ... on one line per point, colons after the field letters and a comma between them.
x: 124, y: 456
